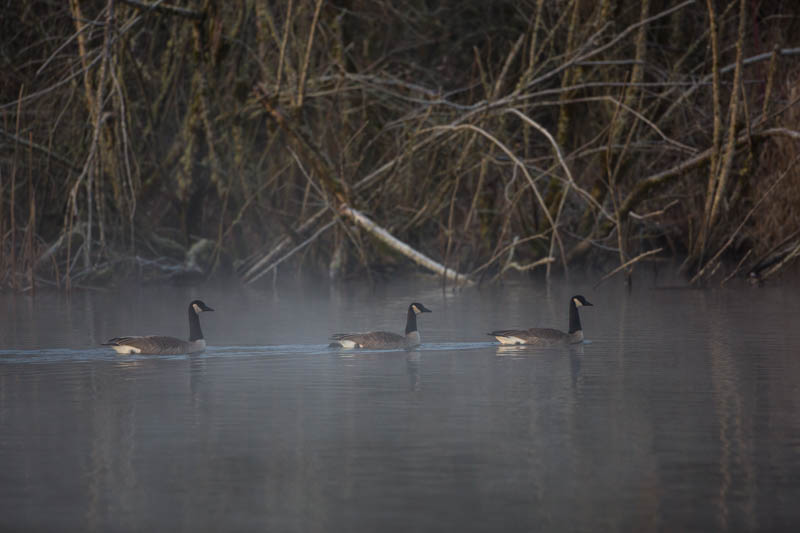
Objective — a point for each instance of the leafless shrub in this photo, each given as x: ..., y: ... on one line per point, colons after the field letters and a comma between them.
x: 132, y: 129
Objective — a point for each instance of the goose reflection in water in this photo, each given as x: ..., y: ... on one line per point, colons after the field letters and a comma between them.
x: 414, y: 369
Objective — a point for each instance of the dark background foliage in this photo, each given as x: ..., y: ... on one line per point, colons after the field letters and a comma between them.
x: 202, y: 138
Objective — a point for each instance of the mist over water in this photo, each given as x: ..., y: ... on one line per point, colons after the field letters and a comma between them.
x: 680, y: 412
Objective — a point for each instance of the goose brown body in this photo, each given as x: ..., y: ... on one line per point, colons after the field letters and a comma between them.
x: 384, y: 339
x: 164, y: 345
x: 371, y: 339
x: 547, y: 336
x: 155, y: 344
x: 536, y: 336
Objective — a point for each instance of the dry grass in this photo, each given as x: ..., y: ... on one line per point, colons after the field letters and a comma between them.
x: 212, y: 138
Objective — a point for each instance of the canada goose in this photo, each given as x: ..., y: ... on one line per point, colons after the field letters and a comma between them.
x: 158, y: 344
x: 384, y: 339
x: 546, y: 336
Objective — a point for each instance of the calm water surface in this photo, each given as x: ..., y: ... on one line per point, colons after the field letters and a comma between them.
x: 680, y: 413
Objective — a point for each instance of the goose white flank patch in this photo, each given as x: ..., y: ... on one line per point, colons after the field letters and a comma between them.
x: 384, y: 339
x: 547, y: 336
x: 163, y: 345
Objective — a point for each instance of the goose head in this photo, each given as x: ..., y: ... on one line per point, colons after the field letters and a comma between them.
x: 419, y: 308
x: 578, y: 300
x: 198, y: 306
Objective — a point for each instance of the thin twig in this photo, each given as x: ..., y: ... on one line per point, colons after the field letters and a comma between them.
x: 167, y: 9
x: 738, y: 267
x: 301, y: 85
x: 293, y: 251
x: 627, y: 264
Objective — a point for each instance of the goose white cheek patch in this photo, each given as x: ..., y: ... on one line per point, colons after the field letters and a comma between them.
x: 197, y: 308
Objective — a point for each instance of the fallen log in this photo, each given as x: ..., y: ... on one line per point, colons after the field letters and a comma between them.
x: 399, y: 246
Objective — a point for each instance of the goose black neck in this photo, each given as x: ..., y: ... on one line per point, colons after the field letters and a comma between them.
x: 195, y: 333
x: 574, y: 317
x: 411, y: 321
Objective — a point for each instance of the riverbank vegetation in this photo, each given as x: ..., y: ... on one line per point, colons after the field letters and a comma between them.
x: 198, y: 138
